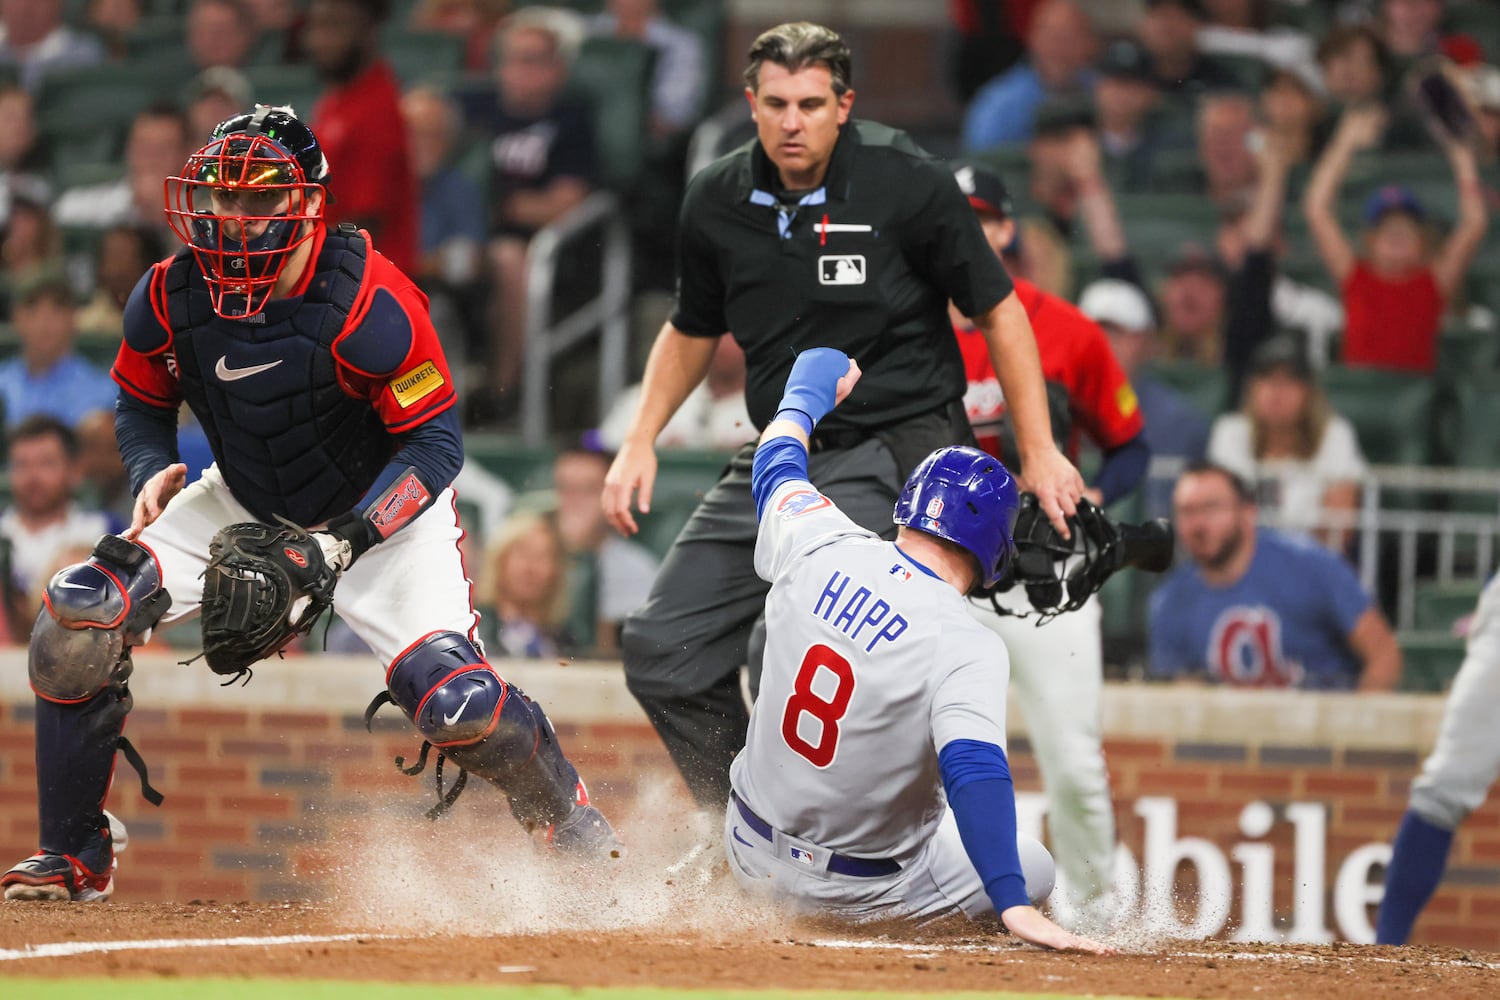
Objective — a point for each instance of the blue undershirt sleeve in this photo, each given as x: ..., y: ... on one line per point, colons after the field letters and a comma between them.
x: 976, y: 777
x: 147, y: 438
x: 777, y: 461
x: 435, y: 448
x: 1123, y: 468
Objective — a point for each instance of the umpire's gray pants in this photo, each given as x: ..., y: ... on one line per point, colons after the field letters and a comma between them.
x: 703, y: 620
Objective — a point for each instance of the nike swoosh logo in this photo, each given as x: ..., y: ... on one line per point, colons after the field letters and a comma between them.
x: 229, y: 374
x: 449, y: 720
x: 67, y: 585
x: 741, y: 839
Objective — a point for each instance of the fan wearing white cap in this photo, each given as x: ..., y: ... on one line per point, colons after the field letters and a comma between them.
x: 1057, y: 667
x: 1176, y: 427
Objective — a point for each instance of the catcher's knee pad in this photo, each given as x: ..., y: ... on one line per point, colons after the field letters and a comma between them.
x: 92, y: 612
x: 484, y: 725
x: 454, y: 697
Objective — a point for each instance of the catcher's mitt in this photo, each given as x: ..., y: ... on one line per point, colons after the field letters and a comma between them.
x: 1101, y: 546
x: 264, y: 586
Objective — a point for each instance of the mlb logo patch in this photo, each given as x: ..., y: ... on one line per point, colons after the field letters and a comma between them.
x: 798, y: 854
x: 935, y: 508
x: 841, y: 269
x: 799, y: 502
x: 900, y: 572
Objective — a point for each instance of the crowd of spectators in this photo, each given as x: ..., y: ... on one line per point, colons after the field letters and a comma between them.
x: 1206, y: 179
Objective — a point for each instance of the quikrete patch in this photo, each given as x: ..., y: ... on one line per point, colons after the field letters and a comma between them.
x: 416, y: 384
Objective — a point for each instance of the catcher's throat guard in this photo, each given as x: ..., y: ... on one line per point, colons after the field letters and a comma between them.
x: 264, y: 586
x: 1098, y: 547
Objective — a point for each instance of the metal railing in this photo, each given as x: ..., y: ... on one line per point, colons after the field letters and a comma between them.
x: 605, y: 316
x: 1461, y: 543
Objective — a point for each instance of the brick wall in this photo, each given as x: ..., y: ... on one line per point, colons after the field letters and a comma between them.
x: 257, y: 792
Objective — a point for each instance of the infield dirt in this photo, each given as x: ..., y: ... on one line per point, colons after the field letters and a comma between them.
x: 797, y: 956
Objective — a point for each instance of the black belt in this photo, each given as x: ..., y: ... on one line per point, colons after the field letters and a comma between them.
x: 839, y: 864
x: 838, y: 439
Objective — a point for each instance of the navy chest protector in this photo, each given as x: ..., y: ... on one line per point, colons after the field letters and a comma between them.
x: 287, y: 439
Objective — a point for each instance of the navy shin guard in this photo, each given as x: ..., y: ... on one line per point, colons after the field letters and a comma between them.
x: 485, y: 726
x: 75, y: 758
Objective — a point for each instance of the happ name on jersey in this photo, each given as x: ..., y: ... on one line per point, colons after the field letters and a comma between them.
x: 852, y: 617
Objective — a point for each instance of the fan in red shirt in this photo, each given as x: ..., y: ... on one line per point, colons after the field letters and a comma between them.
x: 1396, y: 283
x: 1087, y: 389
x: 358, y: 121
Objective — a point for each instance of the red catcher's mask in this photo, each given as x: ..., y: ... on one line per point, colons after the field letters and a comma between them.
x: 243, y: 204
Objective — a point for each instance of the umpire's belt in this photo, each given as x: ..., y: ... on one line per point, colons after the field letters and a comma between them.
x: 838, y: 439
x: 838, y: 864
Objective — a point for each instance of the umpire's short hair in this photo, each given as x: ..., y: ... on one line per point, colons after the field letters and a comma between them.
x: 797, y: 45
x: 1237, y: 483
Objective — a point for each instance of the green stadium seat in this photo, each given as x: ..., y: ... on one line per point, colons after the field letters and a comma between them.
x: 108, y: 95
x: 67, y: 147
x: 1430, y: 660
x: 1464, y: 351
x: 616, y: 74
x: 1178, y: 170
x: 1439, y: 605
x: 86, y: 173
x: 1012, y: 160
x: 522, y: 468
x: 1205, y: 386
x: 156, y: 37
x: 659, y: 529
x: 1478, y: 399
x: 1158, y: 226
x: 280, y: 84
x: 419, y: 56
x: 1392, y: 412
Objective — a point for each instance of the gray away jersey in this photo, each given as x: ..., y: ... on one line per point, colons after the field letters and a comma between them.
x: 871, y: 667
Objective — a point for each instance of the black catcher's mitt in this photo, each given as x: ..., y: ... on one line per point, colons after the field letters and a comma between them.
x: 253, y: 592
x: 1103, y: 548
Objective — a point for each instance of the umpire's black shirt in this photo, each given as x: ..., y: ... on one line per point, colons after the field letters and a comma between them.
x: 866, y: 263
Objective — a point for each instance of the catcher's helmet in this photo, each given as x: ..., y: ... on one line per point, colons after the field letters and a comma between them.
x: 969, y: 498
x: 244, y: 203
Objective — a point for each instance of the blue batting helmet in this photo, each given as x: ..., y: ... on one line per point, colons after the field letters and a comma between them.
x: 969, y: 498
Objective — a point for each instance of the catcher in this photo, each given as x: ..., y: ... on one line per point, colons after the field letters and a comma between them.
x: 312, y: 365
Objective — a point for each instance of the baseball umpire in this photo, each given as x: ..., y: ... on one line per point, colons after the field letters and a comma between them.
x: 880, y: 692
x: 313, y: 367
x: 824, y: 230
x: 1057, y: 665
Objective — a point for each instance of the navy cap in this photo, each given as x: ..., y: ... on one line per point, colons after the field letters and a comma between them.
x: 1125, y: 59
x: 1282, y: 351
x: 984, y: 188
x: 1393, y: 198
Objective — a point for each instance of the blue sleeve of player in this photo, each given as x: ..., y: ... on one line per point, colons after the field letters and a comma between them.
x: 146, y: 436
x: 976, y: 777
x: 434, y: 448
x: 777, y: 461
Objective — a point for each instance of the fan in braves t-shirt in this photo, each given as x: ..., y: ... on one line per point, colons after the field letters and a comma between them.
x: 1256, y: 609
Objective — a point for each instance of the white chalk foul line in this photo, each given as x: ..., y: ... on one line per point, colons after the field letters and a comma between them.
x: 67, y: 949
x: 919, y: 951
